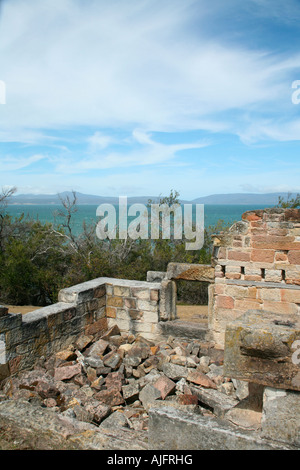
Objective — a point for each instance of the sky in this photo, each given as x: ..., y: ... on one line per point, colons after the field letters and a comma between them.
x: 140, y: 97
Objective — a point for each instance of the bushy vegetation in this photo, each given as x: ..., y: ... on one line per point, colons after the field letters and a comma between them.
x: 290, y: 202
x: 37, y: 260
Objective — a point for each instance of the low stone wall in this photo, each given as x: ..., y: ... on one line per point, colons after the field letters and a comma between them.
x: 88, y: 308
x: 134, y: 307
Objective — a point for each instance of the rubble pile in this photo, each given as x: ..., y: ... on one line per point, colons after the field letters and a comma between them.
x: 113, y: 380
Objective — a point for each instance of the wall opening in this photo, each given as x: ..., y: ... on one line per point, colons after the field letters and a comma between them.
x: 192, y: 301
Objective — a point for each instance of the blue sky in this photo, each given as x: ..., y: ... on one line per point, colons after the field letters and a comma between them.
x: 144, y: 96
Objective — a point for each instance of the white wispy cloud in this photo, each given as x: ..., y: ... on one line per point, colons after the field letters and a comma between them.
x: 121, y: 63
x: 147, y: 152
x: 100, y: 85
x: 10, y: 163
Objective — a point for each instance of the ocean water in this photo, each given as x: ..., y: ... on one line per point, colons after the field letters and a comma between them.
x: 87, y: 213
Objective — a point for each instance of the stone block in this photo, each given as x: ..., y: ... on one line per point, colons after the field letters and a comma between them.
x: 147, y: 305
x: 155, y: 276
x: 98, y: 348
x: 122, y: 291
x: 259, y: 349
x: 174, y: 372
x: 110, y: 397
x: 150, y: 317
x: 237, y: 292
x: 130, y: 302
x: 225, y: 301
x: 167, y: 302
x: 154, y: 295
x: 273, y: 242
x: 171, y: 429
x: 281, y: 416
x: 294, y: 256
x: 290, y: 295
x: 273, y: 295
x: 284, y: 308
x: 114, y: 301
x: 281, y: 257
x: 165, y: 386
x: 148, y: 395
x: 67, y: 372
x: 235, y: 255
x: 10, y: 321
x: 197, y: 377
x: 96, y: 327
x: 214, y: 399
x: 273, y: 275
x: 131, y: 391
x: 262, y: 256
x: 111, y: 312
x: 140, y: 293
x: 191, y: 272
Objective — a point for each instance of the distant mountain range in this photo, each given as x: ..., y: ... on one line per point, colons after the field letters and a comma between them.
x: 235, y: 198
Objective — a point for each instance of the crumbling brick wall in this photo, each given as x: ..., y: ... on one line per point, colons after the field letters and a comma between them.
x: 257, y: 266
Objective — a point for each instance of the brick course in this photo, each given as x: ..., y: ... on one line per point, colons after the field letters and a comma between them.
x: 258, y: 254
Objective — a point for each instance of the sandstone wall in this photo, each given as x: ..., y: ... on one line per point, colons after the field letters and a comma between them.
x: 257, y: 266
x: 88, y: 308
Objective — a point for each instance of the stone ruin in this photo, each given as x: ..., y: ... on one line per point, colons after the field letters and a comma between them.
x: 253, y: 330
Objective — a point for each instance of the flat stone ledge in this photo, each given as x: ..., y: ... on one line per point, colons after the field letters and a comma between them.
x: 170, y: 429
x: 85, y: 290
x: 45, y: 312
x: 156, y: 276
x: 270, y: 285
x: 182, y: 329
x: 191, y: 272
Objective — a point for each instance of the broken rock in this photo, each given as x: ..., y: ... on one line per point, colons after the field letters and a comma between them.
x: 197, y: 377
x: 165, y: 386
x: 174, y: 371
x: 149, y: 395
x: 110, y: 397
x: 67, y: 372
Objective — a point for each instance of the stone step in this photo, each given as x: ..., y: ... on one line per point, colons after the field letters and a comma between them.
x: 183, y: 329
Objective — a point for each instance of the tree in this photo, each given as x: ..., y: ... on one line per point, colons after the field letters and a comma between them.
x: 290, y: 202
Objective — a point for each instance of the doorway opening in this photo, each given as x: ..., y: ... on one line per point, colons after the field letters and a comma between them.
x: 192, y: 301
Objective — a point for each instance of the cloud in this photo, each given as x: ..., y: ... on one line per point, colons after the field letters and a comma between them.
x: 148, y: 94
x: 99, y: 141
x: 9, y: 163
x: 116, y: 64
x: 145, y: 152
x: 268, y: 130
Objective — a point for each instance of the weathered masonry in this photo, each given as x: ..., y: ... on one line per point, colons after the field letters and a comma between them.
x: 88, y: 308
x: 255, y: 266
x: 253, y: 315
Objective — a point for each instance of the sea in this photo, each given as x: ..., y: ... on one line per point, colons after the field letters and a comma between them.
x: 86, y: 213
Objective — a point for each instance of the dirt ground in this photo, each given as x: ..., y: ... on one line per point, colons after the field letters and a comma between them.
x: 193, y: 313
x: 20, y: 309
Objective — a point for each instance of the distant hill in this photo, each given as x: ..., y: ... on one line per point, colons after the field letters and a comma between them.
x: 242, y: 198
x: 235, y: 198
